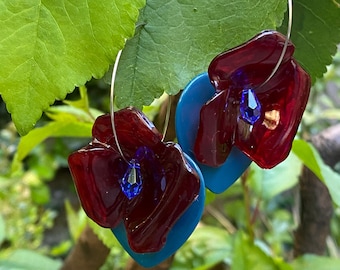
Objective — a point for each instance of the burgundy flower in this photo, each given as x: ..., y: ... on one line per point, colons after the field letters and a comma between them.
x: 260, y: 118
x: 148, y: 193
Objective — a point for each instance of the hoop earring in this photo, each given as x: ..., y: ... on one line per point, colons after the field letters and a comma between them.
x: 246, y: 108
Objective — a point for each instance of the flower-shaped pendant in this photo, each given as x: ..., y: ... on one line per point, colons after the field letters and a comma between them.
x: 145, y: 194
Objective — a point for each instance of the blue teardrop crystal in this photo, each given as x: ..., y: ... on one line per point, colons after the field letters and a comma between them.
x: 250, y: 107
x: 132, y: 181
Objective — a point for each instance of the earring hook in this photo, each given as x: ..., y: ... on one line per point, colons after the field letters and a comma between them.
x: 167, y: 118
x: 112, y: 88
x: 285, y: 46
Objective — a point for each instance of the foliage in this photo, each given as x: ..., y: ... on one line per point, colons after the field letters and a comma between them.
x: 49, y: 50
x: 153, y: 62
x: 50, y: 47
x: 206, y: 247
x: 21, y: 196
x: 74, y: 120
x: 315, y: 33
x: 24, y: 195
x: 23, y: 219
x: 77, y: 221
x: 310, y: 157
x: 269, y: 183
x: 28, y: 260
x: 324, y: 103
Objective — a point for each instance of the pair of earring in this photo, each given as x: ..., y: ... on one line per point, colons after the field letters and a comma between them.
x: 151, y: 193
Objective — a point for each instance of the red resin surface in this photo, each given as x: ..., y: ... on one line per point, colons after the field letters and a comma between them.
x: 169, y: 183
x: 283, y: 100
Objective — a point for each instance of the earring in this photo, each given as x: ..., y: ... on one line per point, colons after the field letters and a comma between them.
x: 152, y: 202
x: 148, y: 192
x: 250, y: 104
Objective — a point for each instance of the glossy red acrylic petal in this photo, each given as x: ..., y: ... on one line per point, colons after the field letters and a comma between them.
x: 213, y: 144
x: 133, y: 130
x: 95, y: 171
x: 268, y: 141
x: 249, y: 64
x: 178, y: 187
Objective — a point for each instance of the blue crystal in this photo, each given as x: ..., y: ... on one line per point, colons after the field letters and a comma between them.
x: 132, y: 181
x: 250, y: 106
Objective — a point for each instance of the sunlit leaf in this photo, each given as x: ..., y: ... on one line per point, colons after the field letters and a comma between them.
x: 69, y: 113
x: 103, y: 234
x: 52, y: 129
x: 48, y: 47
x: 76, y: 221
x: 311, y: 159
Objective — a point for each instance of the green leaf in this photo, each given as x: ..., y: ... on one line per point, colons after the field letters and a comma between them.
x: 308, y: 262
x: 315, y: 34
x: 249, y: 256
x: 48, y: 47
x: 332, y: 181
x: 206, y: 247
x: 118, y: 256
x: 52, y: 129
x: 312, y: 160
x: 269, y: 183
x: 308, y: 155
x: 176, y: 40
x: 61, y: 249
x: 76, y: 221
x: 66, y: 112
x: 29, y: 260
x: 105, y: 235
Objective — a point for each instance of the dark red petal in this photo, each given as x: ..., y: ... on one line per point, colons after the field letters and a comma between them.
x: 218, y: 119
x: 133, y: 130
x: 269, y: 141
x: 249, y: 64
x: 150, y: 220
x: 282, y: 99
x: 96, y: 171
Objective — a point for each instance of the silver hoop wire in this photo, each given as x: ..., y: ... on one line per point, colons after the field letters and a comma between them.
x: 113, y: 78
x: 285, y: 46
x: 167, y: 118
x: 112, y: 89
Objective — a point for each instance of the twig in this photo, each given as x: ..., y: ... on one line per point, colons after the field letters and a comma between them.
x: 221, y: 219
